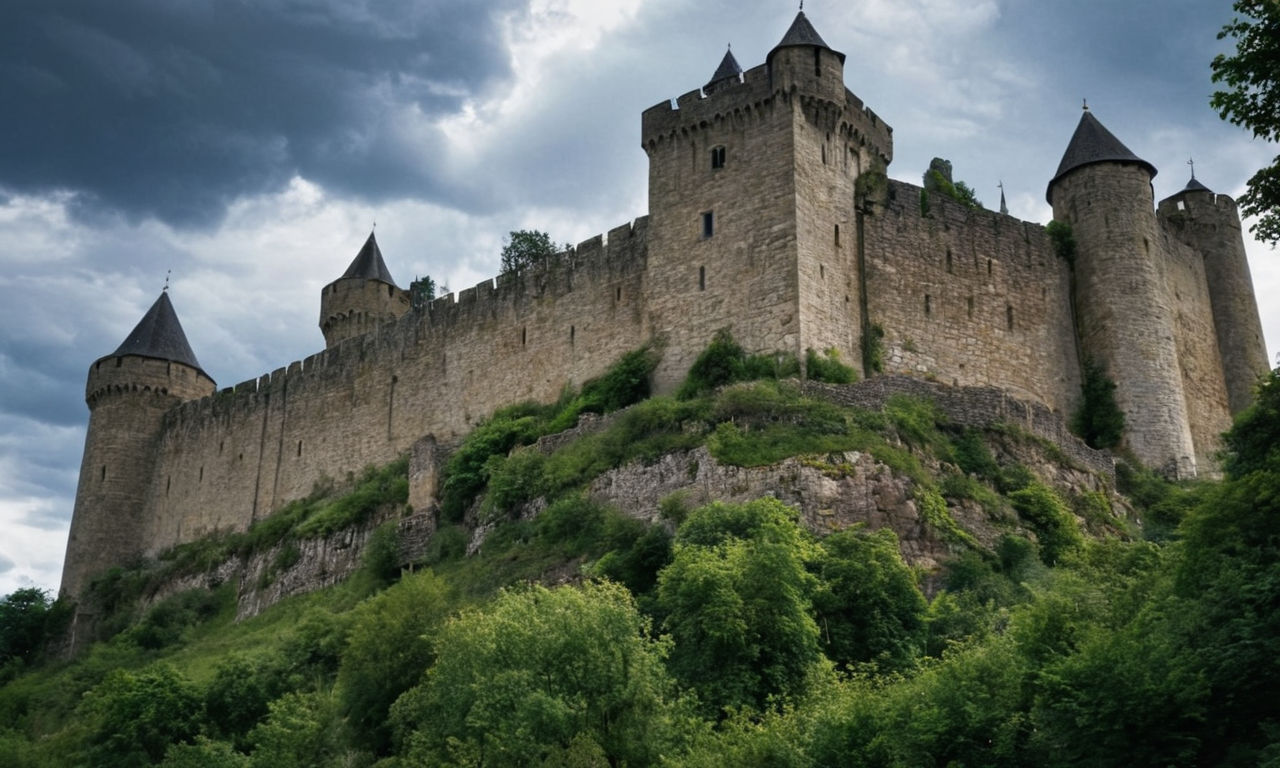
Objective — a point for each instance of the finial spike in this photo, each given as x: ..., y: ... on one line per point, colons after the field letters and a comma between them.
x: 167, y: 272
x: 1085, y: 104
x: 1191, y: 162
x: 802, y: 5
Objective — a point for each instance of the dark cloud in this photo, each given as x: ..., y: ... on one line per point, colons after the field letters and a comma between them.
x: 174, y: 109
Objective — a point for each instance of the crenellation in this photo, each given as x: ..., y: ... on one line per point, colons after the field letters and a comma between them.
x: 770, y: 215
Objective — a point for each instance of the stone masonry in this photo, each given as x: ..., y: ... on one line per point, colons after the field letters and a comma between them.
x: 770, y: 214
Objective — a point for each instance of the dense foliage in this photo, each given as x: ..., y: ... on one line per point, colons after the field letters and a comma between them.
x: 728, y: 634
x: 1251, y: 98
x: 1098, y: 421
x: 526, y: 248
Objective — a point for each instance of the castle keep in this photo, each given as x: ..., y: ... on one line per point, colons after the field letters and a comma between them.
x: 770, y: 214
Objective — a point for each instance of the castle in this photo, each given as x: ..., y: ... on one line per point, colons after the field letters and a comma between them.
x: 771, y: 215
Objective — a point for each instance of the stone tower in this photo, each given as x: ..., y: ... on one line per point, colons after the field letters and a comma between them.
x: 364, y: 298
x: 1210, y: 224
x: 751, y: 206
x: 128, y: 392
x: 1123, y: 315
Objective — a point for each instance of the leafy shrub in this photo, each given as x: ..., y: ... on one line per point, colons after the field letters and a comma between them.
x: 381, y: 556
x: 828, y: 367
x: 725, y: 362
x: 972, y: 455
x: 165, y: 623
x: 1054, y: 525
x: 873, y: 349
x: 1098, y: 421
x: 574, y: 523
x: 1063, y: 239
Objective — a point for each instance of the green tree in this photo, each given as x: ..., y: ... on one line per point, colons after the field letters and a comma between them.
x: 24, y: 621
x: 136, y: 716
x: 204, y: 753
x: 539, y: 677
x: 388, y: 650
x: 300, y: 732
x: 868, y: 607
x: 736, y: 602
x: 1253, y: 442
x: 237, y: 696
x: 525, y: 248
x: 1251, y: 98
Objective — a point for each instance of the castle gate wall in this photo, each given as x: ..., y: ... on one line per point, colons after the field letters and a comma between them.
x: 970, y: 297
x: 226, y: 460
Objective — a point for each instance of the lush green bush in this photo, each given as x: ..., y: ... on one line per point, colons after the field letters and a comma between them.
x: 1098, y: 421
x: 828, y: 367
x: 1053, y: 523
x: 134, y: 717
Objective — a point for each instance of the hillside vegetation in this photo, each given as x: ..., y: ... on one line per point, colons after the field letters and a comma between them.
x: 1092, y: 630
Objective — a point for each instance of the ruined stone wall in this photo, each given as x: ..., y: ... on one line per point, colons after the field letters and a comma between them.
x: 743, y: 276
x: 226, y: 460
x: 970, y: 297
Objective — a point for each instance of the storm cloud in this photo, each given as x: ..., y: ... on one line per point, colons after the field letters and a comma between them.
x: 174, y: 109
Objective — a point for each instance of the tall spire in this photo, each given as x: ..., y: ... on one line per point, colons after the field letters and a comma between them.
x: 159, y: 335
x: 368, y: 263
x: 1003, y: 207
x: 1093, y: 143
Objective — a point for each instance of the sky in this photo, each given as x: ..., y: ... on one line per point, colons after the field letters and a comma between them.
x: 248, y: 148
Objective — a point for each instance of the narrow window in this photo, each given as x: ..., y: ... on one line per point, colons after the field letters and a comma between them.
x: 221, y: 443
x: 817, y: 62
x: 103, y: 475
x: 1146, y: 244
x: 168, y: 483
x: 201, y: 478
x: 617, y: 294
x: 391, y: 291
x: 572, y: 333
x: 824, y: 154
x: 837, y: 235
x: 119, y: 361
x: 708, y: 224
x: 1008, y: 315
x: 988, y: 267
x: 950, y: 269
x: 969, y: 302
x: 702, y: 278
x: 928, y: 305
x: 524, y: 336
x: 1182, y: 206
x: 717, y: 158
x: 299, y: 447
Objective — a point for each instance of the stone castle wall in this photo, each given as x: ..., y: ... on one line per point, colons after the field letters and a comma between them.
x: 970, y: 297
x: 232, y: 458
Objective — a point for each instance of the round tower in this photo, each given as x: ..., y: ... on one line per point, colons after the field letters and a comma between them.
x: 364, y: 298
x: 1124, y: 318
x: 1210, y: 224
x: 804, y: 61
x: 128, y: 392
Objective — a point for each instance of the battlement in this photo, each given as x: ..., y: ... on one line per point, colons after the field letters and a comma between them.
x: 1195, y: 201
x: 752, y: 100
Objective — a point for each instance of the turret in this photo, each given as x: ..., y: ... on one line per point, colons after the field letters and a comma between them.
x: 804, y: 60
x: 1210, y: 224
x: 1123, y: 316
x: 364, y: 298
x: 128, y: 392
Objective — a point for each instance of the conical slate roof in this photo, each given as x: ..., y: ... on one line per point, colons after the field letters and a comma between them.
x: 1093, y: 143
x: 729, y: 69
x: 802, y: 32
x: 368, y: 263
x: 159, y: 335
x: 1195, y: 186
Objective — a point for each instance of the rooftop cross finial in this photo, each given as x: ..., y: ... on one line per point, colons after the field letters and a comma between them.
x: 1191, y: 162
x: 167, y: 272
x: 1086, y: 104
x: 802, y: 5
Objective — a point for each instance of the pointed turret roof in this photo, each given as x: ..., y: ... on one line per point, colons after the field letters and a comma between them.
x: 368, y: 263
x: 1093, y: 143
x: 159, y: 335
x: 802, y: 32
x: 729, y: 69
x: 1195, y: 186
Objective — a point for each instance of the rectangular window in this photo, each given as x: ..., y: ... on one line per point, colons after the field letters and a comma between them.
x: 708, y: 224
x: 717, y: 157
x: 702, y: 279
